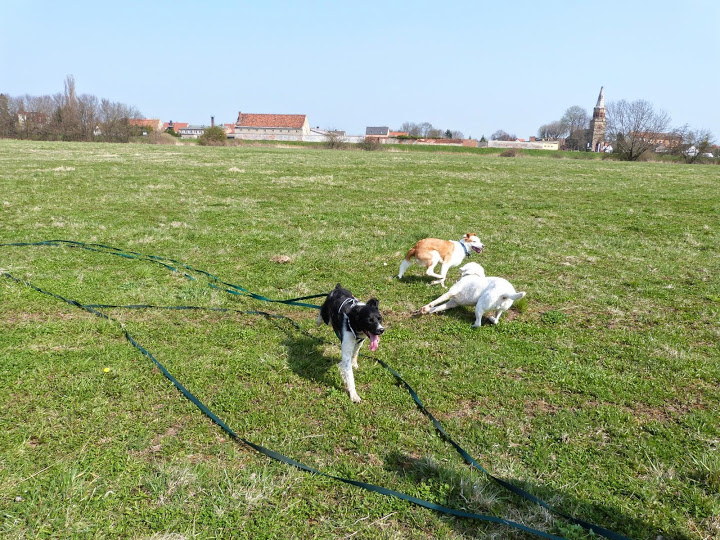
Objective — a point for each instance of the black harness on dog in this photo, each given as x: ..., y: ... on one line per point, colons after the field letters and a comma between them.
x: 346, y: 320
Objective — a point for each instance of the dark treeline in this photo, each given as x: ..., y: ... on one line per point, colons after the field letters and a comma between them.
x: 66, y: 116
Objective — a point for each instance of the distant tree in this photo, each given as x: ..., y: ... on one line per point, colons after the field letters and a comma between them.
x: 65, y: 122
x: 483, y: 139
x: 412, y: 129
x: 334, y: 139
x: 74, y: 117
x: 449, y: 134
x: 7, y: 118
x: 65, y: 116
x: 553, y: 130
x: 501, y: 135
x: 213, y: 136
x: 34, y: 116
x: 407, y: 127
x: 424, y: 129
x: 370, y: 144
x: 635, y: 127
x: 578, y: 140
x: 575, y: 118
x: 689, y: 143
x: 88, y: 107
x: 114, y: 121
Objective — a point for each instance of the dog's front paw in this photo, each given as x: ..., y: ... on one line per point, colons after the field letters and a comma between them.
x: 355, y: 398
x: 477, y: 324
x: 425, y: 309
x: 493, y: 320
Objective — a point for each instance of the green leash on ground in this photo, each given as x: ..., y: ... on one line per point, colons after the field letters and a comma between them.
x: 237, y: 290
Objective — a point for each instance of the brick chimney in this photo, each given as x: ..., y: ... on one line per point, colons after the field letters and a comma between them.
x: 212, y: 121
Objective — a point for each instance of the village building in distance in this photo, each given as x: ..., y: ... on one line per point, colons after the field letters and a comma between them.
x: 533, y: 144
x: 275, y: 127
x: 296, y: 127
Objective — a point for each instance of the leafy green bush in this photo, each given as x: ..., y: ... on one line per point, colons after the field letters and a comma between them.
x: 213, y: 136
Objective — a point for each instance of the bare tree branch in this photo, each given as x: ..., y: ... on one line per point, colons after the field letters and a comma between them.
x: 636, y: 127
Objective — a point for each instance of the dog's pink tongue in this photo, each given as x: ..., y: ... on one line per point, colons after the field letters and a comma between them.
x: 374, y: 342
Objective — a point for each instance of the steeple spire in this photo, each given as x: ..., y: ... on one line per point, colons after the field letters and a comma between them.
x: 598, y: 124
x: 601, y: 99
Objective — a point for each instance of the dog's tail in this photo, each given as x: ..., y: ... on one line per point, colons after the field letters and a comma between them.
x: 410, y: 255
x: 407, y: 261
x: 516, y: 296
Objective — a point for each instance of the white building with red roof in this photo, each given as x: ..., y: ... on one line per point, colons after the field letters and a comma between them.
x: 277, y: 127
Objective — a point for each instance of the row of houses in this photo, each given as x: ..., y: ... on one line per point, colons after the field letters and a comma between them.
x: 296, y: 127
x: 292, y: 127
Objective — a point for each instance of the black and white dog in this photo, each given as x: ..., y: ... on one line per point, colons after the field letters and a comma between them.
x: 352, y: 322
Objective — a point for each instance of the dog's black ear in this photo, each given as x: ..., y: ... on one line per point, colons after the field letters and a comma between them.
x: 373, y: 302
x: 338, y: 286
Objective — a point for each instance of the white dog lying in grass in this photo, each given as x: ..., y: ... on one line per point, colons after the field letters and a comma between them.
x: 487, y: 293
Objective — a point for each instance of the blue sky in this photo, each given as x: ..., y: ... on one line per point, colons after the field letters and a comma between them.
x: 471, y: 66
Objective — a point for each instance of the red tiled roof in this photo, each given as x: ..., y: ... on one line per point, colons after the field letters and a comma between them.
x: 176, y: 125
x: 152, y: 122
x: 293, y: 121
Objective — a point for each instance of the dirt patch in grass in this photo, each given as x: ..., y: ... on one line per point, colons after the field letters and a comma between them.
x: 280, y: 259
x: 157, y: 443
x: 640, y: 411
x: 471, y: 409
x: 669, y: 411
x: 540, y: 407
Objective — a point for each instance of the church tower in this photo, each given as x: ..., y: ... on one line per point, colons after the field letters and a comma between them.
x: 598, y: 124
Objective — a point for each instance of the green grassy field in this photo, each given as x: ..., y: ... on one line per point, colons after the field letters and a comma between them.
x: 599, y: 392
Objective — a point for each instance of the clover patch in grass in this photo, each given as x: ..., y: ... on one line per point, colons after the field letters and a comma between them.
x: 553, y: 317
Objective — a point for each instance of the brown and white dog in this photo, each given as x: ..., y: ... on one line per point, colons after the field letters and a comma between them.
x: 428, y: 252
